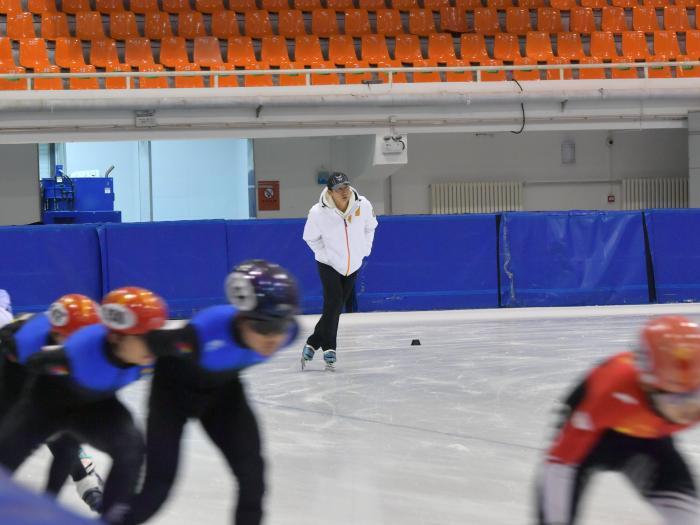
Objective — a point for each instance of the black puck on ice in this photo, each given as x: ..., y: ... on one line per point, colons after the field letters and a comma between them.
x: 415, y: 342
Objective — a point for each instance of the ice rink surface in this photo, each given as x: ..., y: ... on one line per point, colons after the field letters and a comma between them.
x: 448, y: 432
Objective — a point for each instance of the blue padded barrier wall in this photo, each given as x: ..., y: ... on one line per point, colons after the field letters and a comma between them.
x: 674, y: 242
x: 431, y: 262
x: 19, y: 506
x: 41, y: 263
x: 186, y: 261
x: 279, y: 241
x: 572, y: 258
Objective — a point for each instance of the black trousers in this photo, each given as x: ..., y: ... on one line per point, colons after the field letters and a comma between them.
x: 336, y: 291
x: 224, y: 412
x: 64, y: 448
x: 45, y: 410
x: 653, y: 466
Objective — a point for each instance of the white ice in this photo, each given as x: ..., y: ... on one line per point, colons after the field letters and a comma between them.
x: 448, y: 432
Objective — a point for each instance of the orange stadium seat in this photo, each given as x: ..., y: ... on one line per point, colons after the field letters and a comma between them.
x: 623, y: 71
x: 54, y: 25
x: 628, y: 4
x: 506, y: 46
x: 20, y: 25
x: 122, y: 25
x: 103, y: 52
x: 209, y: 6
x: 603, y: 45
x: 658, y: 4
x: 557, y: 74
x: 274, y: 51
x: 7, y: 59
x: 176, y: 6
x: 569, y: 46
x: 141, y: 7
x: 407, y: 49
x: 372, y: 5
x: 152, y: 81
x: 499, y: 4
x: 441, y: 49
x: 684, y: 71
x: 193, y: 82
x: 275, y: 5
x: 613, y: 20
x: 531, y: 4
x: 538, y: 46
x: 581, y: 20
x: 73, y: 7
x: 224, y: 24
x: 257, y: 24
x: 68, y: 53
x: 389, y: 22
x: 435, y: 5
x: 594, y: 4
x: 518, y: 20
x: 404, y: 5
x: 420, y: 22
x: 341, y: 50
x: 324, y: 23
x: 190, y: 25
x: 526, y: 74
x: 11, y: 6
x: 138, y: 52
x: 593, y: 73
x: 634, y: 45
x: 676, y: 18
x: 307, y: 5
x: 34, y: 55
x: 493, y: 74
x: 226, y: 80
x: 452, y: 20
x: 118, y: 82
x: 173, y: 51
x: 486, y: 21
x: 374, y: 50
x: 109, y: 6
x: 12, y: 84
x: 357, y: 22
x: 156, y: 25
x: 290, y: 23
x: 473, y: 48
x: 307, y: 52
x: 469, y: 5
x: 242, y: 6
x: 666, y: 46
x: 563, y: 5
x: 88, y: 25
x: 687, y: 3
x: 39, y: 7
x: 340, y: 5
x: 207, y: 52
x: 692, y: 44
x: 240, y: 51
x: 644, y: 19
x: 549, y: 20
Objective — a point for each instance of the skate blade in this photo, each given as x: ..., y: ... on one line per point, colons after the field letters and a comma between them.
x: 330, y: 368
x: 304, y: 362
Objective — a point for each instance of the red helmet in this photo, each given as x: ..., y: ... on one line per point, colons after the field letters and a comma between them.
x: 668, y: 357
x: 133, y: 310
x: 71, y: 312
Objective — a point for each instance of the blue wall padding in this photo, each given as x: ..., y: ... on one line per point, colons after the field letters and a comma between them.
x: 186, y: 262
x: 431, y: 262
x: 572, y: 258
x: 674, y: 243
x: 278, y: 240
x: 19, y: 506
x: 41, y: 263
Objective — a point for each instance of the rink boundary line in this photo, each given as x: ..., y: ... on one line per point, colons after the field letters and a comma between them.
x: 498, y: 314
x: 397, y: 425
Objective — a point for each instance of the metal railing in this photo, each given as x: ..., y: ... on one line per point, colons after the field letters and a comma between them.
x: 390, y: 72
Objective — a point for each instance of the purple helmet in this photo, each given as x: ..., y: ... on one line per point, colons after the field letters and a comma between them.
x: 263, y: 291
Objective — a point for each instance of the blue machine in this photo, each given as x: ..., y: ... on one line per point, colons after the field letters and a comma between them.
x: 78, y: 200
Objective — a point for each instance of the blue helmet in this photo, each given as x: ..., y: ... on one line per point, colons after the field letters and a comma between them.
x: 263, y: 291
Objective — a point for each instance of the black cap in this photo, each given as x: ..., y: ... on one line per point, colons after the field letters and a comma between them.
x: 336, y: 180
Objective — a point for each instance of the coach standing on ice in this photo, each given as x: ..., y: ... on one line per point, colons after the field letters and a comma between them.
x: 340, y: 231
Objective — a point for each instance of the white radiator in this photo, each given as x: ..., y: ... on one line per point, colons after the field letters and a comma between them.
x: 664, y: 192
x: 475, y: 197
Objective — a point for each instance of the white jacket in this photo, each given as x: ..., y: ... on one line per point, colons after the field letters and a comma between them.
x: 5, y: 308
x: 341, y: 239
